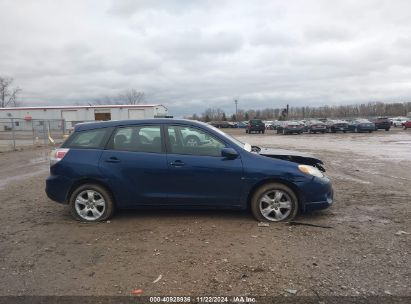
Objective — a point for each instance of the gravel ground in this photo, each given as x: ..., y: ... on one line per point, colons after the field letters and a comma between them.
x: 43, y: 251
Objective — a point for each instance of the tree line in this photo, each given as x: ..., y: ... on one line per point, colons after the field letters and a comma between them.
x: 370, y: 109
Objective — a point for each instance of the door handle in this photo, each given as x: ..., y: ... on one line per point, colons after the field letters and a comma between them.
x: 177, y: 163
x: 112, y: 159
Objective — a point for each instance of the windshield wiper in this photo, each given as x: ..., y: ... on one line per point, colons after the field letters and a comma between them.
x: 255, y: 149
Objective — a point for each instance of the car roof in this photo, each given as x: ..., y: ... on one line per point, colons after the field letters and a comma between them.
x: 117, y: 123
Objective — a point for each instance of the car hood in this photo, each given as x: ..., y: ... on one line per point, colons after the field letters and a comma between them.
x: 293, y: 156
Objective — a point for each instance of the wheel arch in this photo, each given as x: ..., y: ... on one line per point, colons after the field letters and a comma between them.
x: 84, y: 181
x: 285, y: 182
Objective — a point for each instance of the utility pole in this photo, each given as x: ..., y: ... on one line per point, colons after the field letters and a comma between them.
x: 236, y: 110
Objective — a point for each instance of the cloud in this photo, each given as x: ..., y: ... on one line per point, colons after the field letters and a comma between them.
x: 190, y: 54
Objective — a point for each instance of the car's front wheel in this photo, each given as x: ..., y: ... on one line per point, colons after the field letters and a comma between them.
x: 274, y: 202
x: 91, y: 203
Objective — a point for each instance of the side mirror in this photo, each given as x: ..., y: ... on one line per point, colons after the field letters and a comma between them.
x: 229, y: 153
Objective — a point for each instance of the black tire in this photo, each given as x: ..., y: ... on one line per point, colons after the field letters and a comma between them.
x: 246, y: 131
x: 109, y: 203
x: 260, y: 192
x: 344, y: 131
x: 370, y: 131
x: 263, y: 131
x: 388, y: 129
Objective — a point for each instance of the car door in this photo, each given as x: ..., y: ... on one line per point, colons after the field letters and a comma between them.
x: 198, y: 174
x: 135, y: 165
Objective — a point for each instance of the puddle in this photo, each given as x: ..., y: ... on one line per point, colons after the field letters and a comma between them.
x: 5, y: 181
x: 402, y: 142
x: 38, y: 160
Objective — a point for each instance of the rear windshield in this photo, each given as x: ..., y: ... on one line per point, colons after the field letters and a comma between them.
x: 89, y: 139
x: 256, y: 121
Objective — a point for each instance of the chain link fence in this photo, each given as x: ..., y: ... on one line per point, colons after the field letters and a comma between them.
x: 19, y: 133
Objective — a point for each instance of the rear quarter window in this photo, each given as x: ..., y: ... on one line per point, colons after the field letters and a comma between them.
x: 89, y: 139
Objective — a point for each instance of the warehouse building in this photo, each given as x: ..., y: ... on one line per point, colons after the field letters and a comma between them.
x: 71, y: 115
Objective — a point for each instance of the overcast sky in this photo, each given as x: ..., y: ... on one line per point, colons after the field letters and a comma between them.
x: 192, y: 54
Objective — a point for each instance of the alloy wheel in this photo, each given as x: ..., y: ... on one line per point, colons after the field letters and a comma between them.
x: 90, y: 205
x: 275, y: 205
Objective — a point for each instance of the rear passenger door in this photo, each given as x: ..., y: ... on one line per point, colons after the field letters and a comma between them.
x: 135, y: 163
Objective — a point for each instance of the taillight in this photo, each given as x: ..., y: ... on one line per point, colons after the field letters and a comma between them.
x: 57, y: 155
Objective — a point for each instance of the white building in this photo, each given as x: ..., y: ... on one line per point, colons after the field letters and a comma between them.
x: 74, y: 114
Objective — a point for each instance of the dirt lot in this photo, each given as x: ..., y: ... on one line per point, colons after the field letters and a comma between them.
x: 43, y: 251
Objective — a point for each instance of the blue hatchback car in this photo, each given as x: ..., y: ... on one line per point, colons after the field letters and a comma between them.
x: 180, y: 163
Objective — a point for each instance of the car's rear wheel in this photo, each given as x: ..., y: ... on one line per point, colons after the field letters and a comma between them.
x: 274, y: 202
x: 91, y: 203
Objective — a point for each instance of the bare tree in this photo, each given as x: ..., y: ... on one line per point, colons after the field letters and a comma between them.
x: 131, y: 97
x: 8, y: 94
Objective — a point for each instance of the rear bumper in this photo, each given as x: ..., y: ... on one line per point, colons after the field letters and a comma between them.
x: 318, y: 129
x: 256, y: 128
x: 339, y: 128
x: 382, y: 126
x: 57, y: 188
x: 293, y: 130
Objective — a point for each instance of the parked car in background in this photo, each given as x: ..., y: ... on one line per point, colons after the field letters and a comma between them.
x: 304, y: 124
x: 97, y: 170
x: 220, y: 124
x: 316, y: 126
x: 398, y: 121
x: 335, y: 126
x: 382, y: 123
x: 255, y: 125
x: 241, y: 124
x: 275, y: 124
x: 361, y: 125
x: 290, y: 127
x: 407, y: 124
x: 268, y: 124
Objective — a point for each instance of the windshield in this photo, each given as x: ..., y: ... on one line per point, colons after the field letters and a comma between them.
x: 245, y: 146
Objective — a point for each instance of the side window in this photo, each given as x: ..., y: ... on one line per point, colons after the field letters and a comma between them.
x: 91, y: 139
x: 138, y: 139
x: 193, y: 141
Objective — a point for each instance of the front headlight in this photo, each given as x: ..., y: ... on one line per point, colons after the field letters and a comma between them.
x: 310, y: 170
